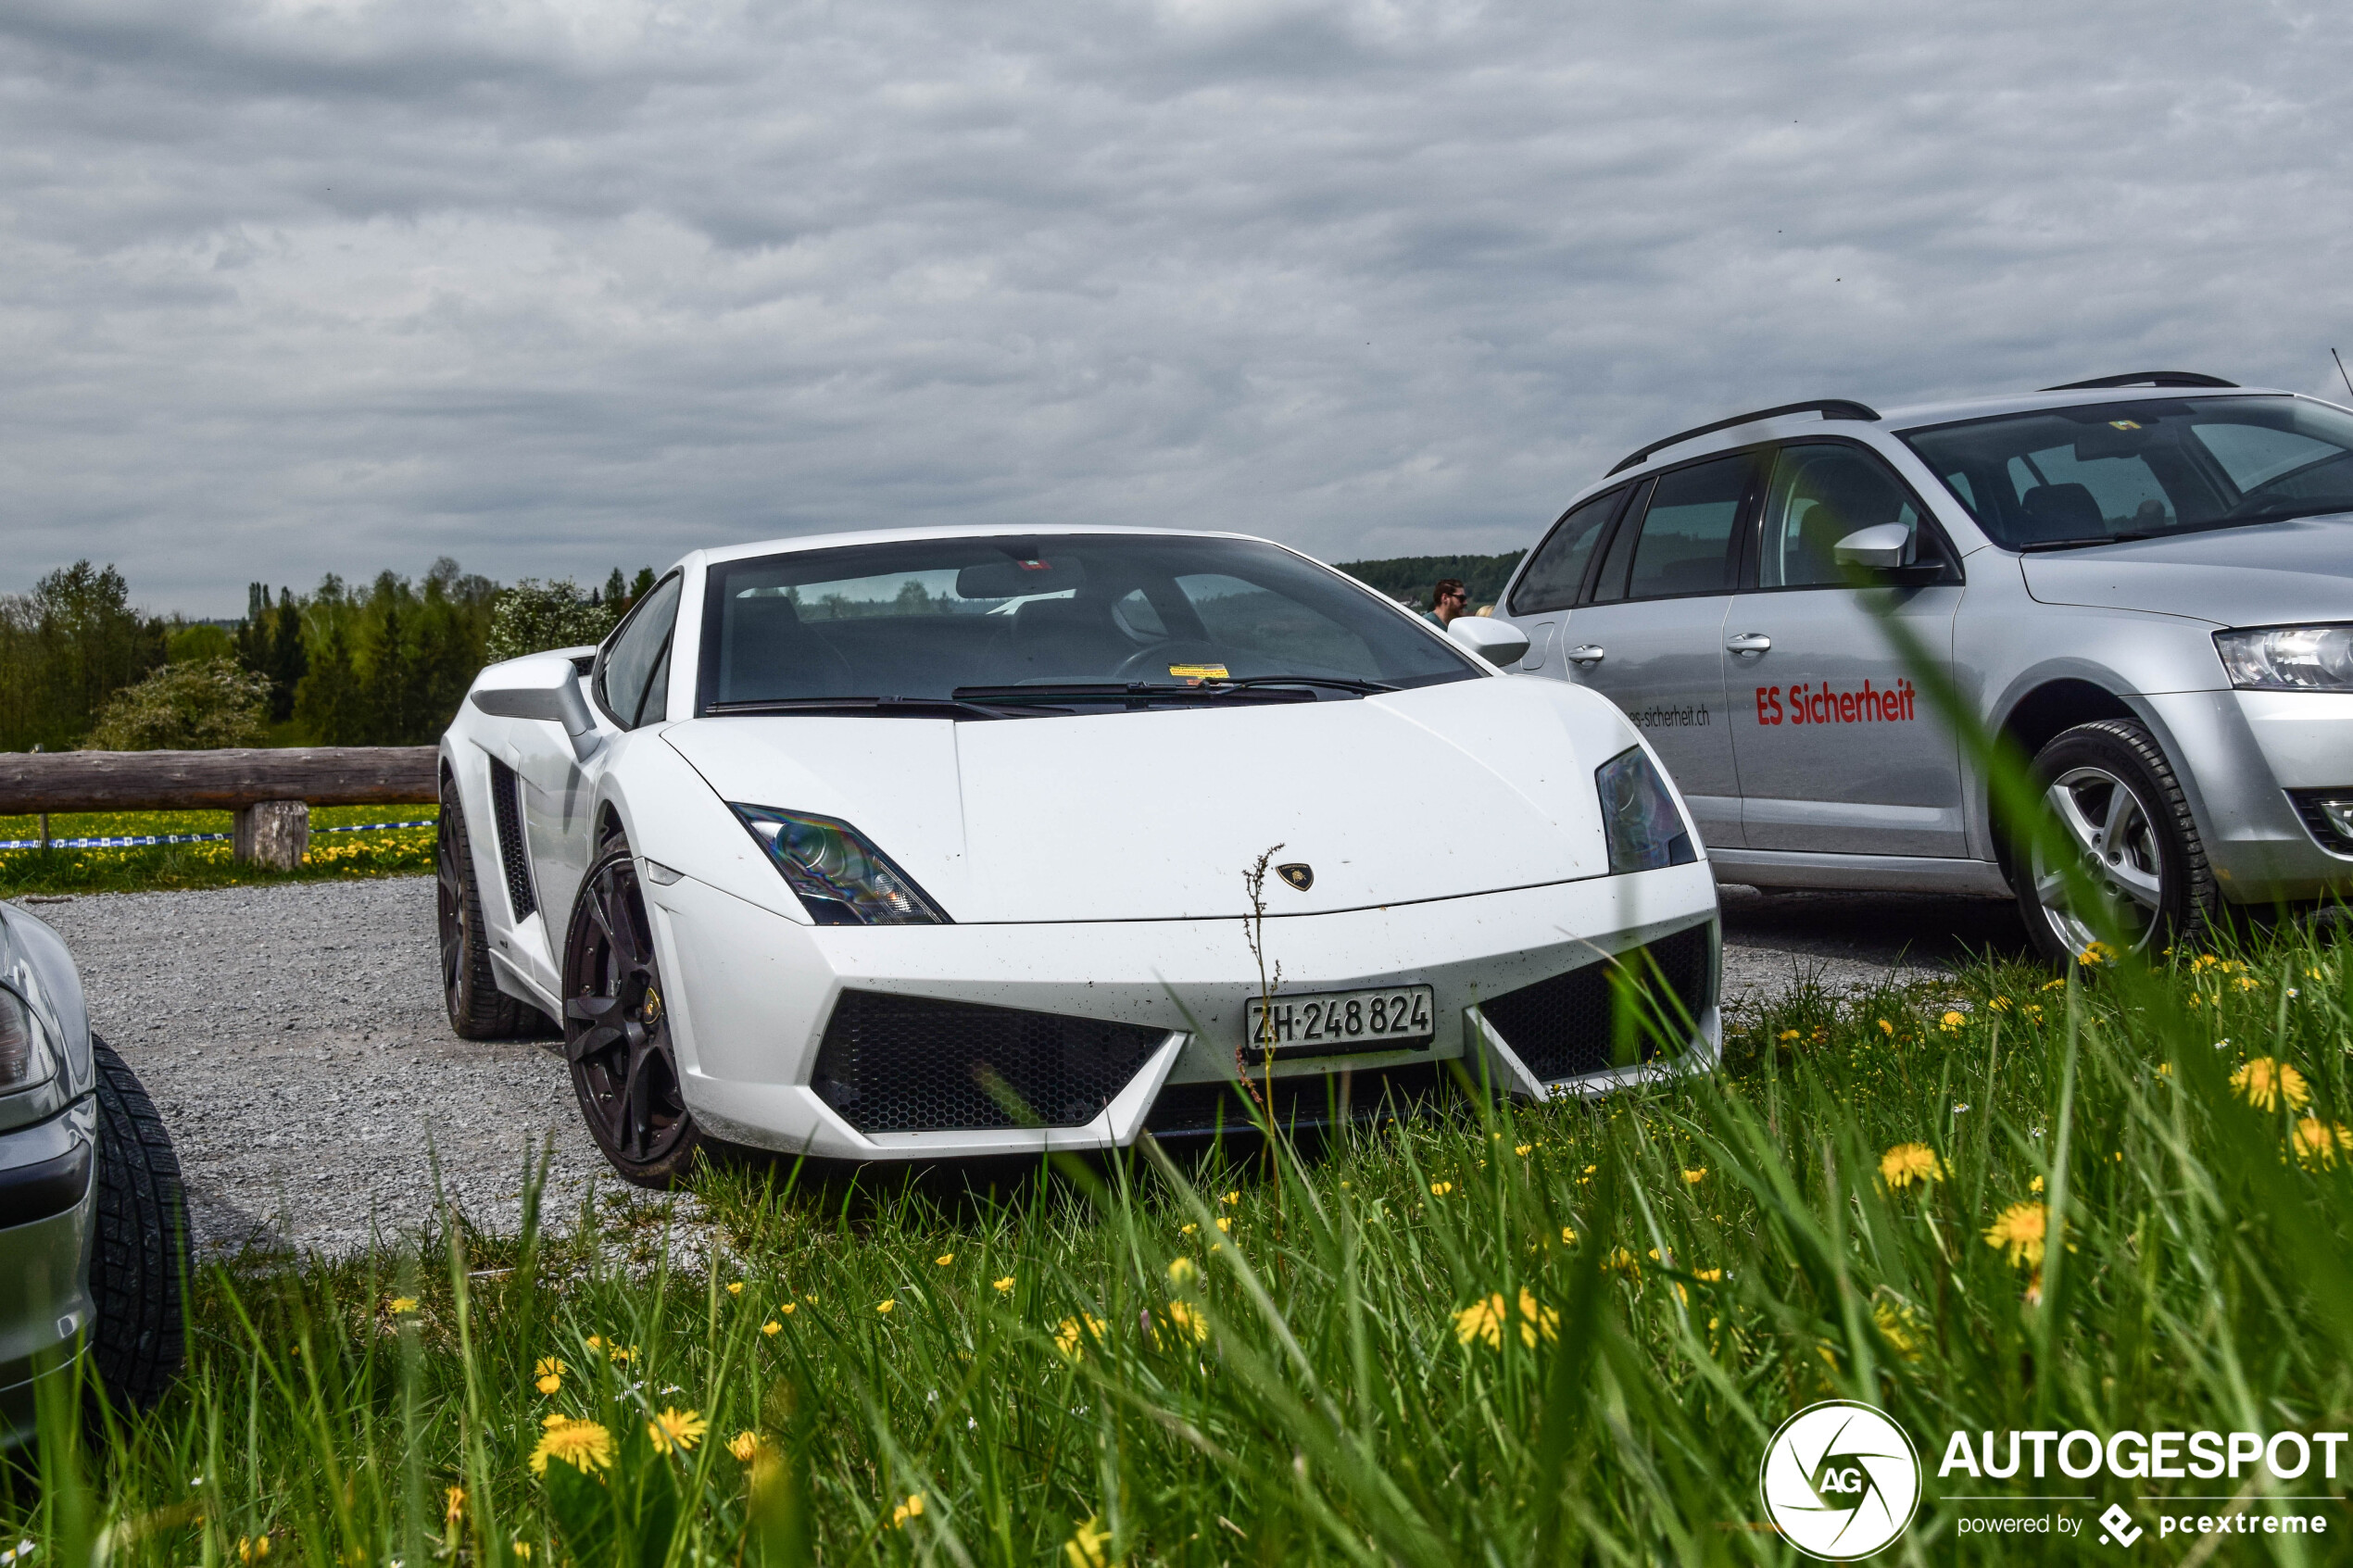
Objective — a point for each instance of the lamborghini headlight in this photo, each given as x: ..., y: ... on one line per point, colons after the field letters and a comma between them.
x: 2288, y: 659
x: 24, y: 1046
x: 1638, y: 817
x: 840, y: 877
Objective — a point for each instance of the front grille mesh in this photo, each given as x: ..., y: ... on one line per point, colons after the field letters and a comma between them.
x: 1307, y: 1099
x: 1584, y: 1021
x: 913, y: 1064
x: 506, y: 804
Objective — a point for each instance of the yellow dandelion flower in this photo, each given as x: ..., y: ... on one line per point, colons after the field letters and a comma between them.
x: 2034, y: 1186
x: 1788, y: 1034
x: 745, y: 1445
x: 1999, y: 1004
x: 735, y: 1288
x: 1536, y: 1320
x: 945, y: 1259
x: 1624, y: 1263
x: 1716, y: 1274
x: 885, y: 1307
x: 2164, y: 1070
x: 1440, y: 1189
x: 1569, y: 1237
x: 1523, y: 1149
x: 772, y: 1327
x: 1089, y: 1546
x: 1231, y: 1198
x: 453, y: 1506
x: 521, y: 1548
x: 1071, y: 1333
x: 1225, y: 1224
x: 1182, y: 1271
x: 1481, y: 1320
x: 583, y: 1445
x: 557, y: 1418
x: 1885, y: 1027
x: 1909, y: 1162
x: 548, y: 1374
x: 2317, y: 1142
x: 1187, y: 1230
x: 1952, y: 1021
x: 2263, y: 1082
x: 912, y: 1508
x: 402, y: 1305
x: 1187, y: 1321
x: 1695, y: 1177
x: 2019, y: 1230
x: 2055, y: 986
x: 2096, y: 955
x: 789, y: 1308
x: 1002, y: 1286
x: 682, y: 1429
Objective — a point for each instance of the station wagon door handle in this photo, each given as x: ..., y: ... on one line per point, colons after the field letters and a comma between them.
x: 1749, y: 642
x: 1586, y: 653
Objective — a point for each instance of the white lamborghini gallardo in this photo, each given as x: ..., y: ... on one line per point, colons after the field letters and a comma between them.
x: 941, y: 842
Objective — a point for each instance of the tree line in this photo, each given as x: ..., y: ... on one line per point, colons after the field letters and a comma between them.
x: 383, y: 664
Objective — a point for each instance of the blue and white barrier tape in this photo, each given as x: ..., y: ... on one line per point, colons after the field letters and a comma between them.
x: 139, y: 840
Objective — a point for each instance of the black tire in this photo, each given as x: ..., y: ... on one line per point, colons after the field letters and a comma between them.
x: 140, y: 1263
x: 617, y: 1029
x: 2119, y: 801
x: 478, y: 1010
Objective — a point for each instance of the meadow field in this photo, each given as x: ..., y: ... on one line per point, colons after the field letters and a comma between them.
x: 2116, y: 1199
x: 169, y: 867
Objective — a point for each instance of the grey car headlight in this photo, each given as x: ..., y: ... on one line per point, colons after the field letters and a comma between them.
x: 840, y: 877
x: 25, y: 1057
x: 2289, y: 659
x: 1638, y: 817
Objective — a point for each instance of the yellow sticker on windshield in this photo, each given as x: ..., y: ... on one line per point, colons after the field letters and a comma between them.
x: 2124, y: 424
x: 1198, y: 671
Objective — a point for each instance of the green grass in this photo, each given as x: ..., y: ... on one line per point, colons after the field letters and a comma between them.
x: 1701, y: 1259
x: 402, y: 852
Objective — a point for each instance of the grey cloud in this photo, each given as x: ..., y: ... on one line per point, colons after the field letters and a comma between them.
x: 286, y: 289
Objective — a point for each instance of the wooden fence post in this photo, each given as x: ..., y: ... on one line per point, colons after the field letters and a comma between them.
x: 274, y: 833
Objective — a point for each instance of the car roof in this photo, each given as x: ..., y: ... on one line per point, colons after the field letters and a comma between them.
x: 1915, y: 416
x: 794, y: 543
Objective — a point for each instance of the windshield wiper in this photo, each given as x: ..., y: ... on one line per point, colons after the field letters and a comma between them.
x: 1130, y: 694
x: 893, y: 706
x: 2031, y: 545
x: 1337, y: 682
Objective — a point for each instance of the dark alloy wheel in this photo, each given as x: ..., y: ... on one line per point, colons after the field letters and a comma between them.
x: 617, y: 1031
x: 2126, y: 826
x: 478, y: 1010
x: 140, y: 1259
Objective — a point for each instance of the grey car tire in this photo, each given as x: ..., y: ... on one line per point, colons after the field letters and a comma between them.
x: 139, y: 1265
x: 2121, y: 809
x: 478, y: 1010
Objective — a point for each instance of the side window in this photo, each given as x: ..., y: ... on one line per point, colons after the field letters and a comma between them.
x: 1558, y: 570
x: 633, y: 675
x: 1821, y: 493
x: 1689, y: 537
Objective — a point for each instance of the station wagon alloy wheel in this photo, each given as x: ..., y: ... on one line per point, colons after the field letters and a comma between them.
x: 617, y: 1032
x: 2117, y: 846
x: 2125, y: 821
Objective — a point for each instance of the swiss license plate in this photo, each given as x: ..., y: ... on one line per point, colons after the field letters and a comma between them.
x: 1325, y: 1022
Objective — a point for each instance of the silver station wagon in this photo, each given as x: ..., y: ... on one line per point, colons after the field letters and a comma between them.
x: 2146, y: 580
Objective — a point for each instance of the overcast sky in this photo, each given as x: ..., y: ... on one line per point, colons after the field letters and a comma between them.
x: 292, y: 288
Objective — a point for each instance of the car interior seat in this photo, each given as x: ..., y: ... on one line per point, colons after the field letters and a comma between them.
x: 768, y: 651
x: 1066, y: 639
x: 2063, y: 511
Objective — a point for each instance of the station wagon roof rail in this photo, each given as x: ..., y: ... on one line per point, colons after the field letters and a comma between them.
x: 1829, y: 408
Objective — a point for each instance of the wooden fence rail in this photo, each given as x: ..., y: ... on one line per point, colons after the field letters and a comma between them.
x: 272, y: 789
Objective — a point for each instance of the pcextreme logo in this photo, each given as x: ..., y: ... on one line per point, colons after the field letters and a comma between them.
x: 1841, y: 1480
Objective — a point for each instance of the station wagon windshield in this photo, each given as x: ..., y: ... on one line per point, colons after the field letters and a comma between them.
x: 2063, y: 477
x: 990, y: 627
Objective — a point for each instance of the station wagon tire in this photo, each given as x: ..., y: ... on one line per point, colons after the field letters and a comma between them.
x: 617, y: 1029
x: 2121, y: 807
x: 139, y: 1264
x: 478, y: 1010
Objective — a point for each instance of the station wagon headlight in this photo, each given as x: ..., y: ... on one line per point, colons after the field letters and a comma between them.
x: 2289, y: 659
x: 1638, y: 817
x: 840, y: 877
x: 24, y: 1046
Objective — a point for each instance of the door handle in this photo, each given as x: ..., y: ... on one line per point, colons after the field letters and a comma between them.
x: 1749, y: 642
x: 1586, y: 653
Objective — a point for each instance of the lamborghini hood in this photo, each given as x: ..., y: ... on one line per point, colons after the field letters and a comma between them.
x: 1467, y: 787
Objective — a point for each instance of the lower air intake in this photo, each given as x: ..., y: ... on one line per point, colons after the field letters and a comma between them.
x: 1307, y: 1099
x: 1590, y: 1019
x: 912, y: 1064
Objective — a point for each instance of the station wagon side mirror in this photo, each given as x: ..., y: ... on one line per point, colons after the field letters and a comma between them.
x: 1498, y: 641
x: 559, y: 704
x: 1885, y: 546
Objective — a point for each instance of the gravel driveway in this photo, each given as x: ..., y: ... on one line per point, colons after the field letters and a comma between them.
x: 294, y: 1038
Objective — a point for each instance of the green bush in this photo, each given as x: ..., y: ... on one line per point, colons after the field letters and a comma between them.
x: 192, y: 706
x: 534, y: 616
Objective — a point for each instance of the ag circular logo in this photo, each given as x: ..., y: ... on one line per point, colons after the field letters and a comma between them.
x: 1841, y: 1480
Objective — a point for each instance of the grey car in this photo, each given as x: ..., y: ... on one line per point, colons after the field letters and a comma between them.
x: 91, y: 1251
x: 2146, y: 580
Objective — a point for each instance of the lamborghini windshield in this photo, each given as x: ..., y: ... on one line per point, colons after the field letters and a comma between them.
x: 993, y: 626
x: 2059, y: 477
